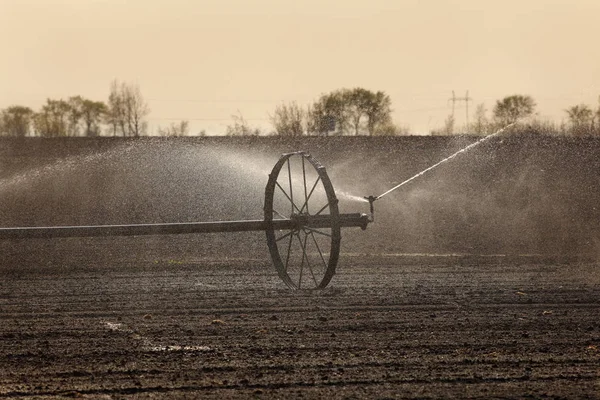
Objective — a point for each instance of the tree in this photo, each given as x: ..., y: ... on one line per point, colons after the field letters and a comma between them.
x: 327, y: 114
x: 53, y: 119
x: 512, y: 108
x: 126, y: 110
x: 447, y: 129
x: 289, y: 120
x: 16, y: 121
x: 240, y: 127
x: 449, y: 125
x: 350, y: 111
x: 378, y: 110
x: 136, y: 110
x: 581, y: 118
x: 179, y: 129
x: 391, y: 129
x: 355, y: 103
x: 481, y: 123
x: 596, y: 128
x: 92, y: 113
x: 74, y: 115
x: 113, y: 115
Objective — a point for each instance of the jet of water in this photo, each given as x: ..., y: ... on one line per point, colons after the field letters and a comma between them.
x: 498, y: 132
x: 351, y: 197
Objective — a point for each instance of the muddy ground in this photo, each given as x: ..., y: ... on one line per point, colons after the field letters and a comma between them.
x: 389, y: 326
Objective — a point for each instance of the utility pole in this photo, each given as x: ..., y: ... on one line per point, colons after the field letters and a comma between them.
x: 466, y: 99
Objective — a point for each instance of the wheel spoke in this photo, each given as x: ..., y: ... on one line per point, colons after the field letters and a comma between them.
x: 284, y: 236
x: 322, y: 209
x: 279, y: 214
x: 291, y: 187
x: 317, y: 231
x: 305, y: 188
x: 303, y: 245
x: 288, y: 197
x: 320, y: 252
x: 310, y: 194
x: 289, y: 250
x: 312, y: 273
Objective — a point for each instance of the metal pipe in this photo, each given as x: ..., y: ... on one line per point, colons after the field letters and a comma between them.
x: 321, y: 221
x: 371, y: 200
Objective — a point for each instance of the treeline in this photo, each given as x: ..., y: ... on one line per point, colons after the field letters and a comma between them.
x: 582, y: 120
x: 356, y: 111
x: 124, y: 114
x: 361, y: 112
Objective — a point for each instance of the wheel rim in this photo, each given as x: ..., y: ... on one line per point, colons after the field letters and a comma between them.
x: 305, y: 257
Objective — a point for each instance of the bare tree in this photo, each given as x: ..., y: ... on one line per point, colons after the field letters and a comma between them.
x: 447, y: 129
x: 596, y: 120
x: 481, y: 123
x: 15, y: 121
x: 113, y: 116
x: 581, y: 118
x: 126, y: 110
x: 136, y: 110
x: 449, y: 125
x: 175, y: 129
x: 289, y: 120
x: 240, y: 127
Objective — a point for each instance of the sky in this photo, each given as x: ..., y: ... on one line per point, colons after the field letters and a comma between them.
x: 204, y: 61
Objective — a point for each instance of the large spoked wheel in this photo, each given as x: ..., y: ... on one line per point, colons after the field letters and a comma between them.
x: 306, y: 254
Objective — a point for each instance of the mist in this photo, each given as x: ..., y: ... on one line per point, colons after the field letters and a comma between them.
x: 513, y: 195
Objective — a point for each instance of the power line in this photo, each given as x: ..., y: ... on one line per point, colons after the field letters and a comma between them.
x: 420, y: 109
x: 212, y: 100
x: 201, y: 119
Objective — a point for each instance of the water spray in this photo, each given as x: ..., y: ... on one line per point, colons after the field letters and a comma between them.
x: 302, y: 223
x: 372, y: 199
x: 301, y: 220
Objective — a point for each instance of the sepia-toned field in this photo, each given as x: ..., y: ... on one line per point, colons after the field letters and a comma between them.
x: 482, y: 280
x: 387, y: 327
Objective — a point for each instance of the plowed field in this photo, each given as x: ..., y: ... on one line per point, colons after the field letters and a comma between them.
x: 508, y: 307
x: 389, y: 326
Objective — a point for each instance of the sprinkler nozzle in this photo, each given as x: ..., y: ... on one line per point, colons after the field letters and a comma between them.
x: 371, y: 200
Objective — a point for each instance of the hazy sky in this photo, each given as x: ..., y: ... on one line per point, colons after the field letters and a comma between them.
x: 205, y: 60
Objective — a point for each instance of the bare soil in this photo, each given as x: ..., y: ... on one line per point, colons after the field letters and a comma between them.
x: 389, y: 326
x: 506, y: 308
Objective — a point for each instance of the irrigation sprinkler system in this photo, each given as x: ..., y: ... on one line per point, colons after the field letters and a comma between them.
x: 301, y: 220
x: 372, y: 199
